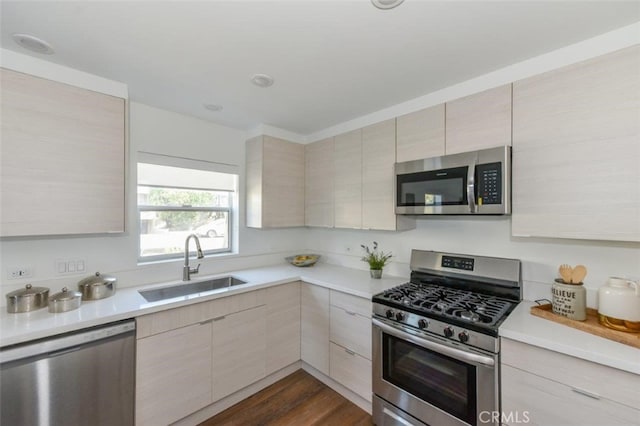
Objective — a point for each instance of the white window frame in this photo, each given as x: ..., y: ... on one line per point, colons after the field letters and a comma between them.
x: 186, y: 163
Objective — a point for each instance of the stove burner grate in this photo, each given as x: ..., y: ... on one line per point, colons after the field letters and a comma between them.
x: 449, y: 302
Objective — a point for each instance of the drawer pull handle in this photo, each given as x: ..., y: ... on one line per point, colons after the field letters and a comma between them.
x: 206, y: 322
x: 350, y: 312
x: 586, y: 393
x: 219, y: 318
x: 349, y: 352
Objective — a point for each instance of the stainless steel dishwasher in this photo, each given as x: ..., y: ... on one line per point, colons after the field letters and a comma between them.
x: 80, y: 378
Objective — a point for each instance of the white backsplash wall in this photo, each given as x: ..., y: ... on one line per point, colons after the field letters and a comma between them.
x: 487, y: 236
x: 161, y: 132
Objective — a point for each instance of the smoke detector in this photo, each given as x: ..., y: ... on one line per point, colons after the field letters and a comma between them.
x: 262, y: 80
x: 32, y: 43
x: 386, y: 4
x: 213, y: 107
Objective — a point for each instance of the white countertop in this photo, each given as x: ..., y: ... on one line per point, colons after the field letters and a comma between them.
x: 128, y: 303
x: 524, y: 327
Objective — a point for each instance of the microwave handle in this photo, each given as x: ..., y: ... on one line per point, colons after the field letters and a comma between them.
x: 471, y: 187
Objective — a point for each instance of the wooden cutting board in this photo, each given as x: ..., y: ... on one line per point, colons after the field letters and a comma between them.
x: 590, y: 325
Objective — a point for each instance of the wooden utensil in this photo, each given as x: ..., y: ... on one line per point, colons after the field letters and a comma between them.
x: 565, y: 272
x: 578, y: 274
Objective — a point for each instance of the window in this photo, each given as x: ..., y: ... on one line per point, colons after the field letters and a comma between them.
x: 175, y: 201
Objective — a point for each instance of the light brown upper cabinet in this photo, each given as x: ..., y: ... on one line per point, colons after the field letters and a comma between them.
x: 576, y: 150
x: 479, y: 121
x: 420, y: 134
x: 62, y: 167
x: 318, y: 157
x: 275, y: 183
x: 378, y: 178
x: 348, y: 179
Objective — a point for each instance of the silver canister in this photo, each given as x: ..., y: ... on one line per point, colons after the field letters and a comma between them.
x: 65, y: 301
x: 97, y: 286
x: 28, y: 299
x: 569, y: 300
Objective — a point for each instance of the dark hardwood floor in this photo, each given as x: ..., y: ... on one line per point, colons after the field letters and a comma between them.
x: 297, y: 400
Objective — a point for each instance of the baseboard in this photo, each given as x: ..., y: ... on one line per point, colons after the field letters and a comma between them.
x: 347, y: 393
x: 231, y: 400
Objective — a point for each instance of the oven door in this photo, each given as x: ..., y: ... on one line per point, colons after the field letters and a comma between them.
x: 437, y: 383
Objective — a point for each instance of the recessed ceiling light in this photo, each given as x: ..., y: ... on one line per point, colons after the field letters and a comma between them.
x: 33, y: 43
x: 262, y: 80
x: 386, y: 4
x: 213, y: 107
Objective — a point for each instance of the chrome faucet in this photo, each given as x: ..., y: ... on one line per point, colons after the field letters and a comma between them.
x: 186, y: 270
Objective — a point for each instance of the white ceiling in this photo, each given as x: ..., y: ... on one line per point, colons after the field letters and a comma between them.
x: 332, y: 61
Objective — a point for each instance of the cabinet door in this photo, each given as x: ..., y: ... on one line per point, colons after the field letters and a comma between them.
x: 315, y: 327
x: 239, y: 350
x: 348, y: 180
x: 479, y: 121
x: 282, y: 183
x: 173, y: 374
x: 319, y: 183
x: 576, y: 151
x: 62, y: 160
x: 378, y: 158
x: 283, y: 326
x: 420, y: 134
x: 275, y: 183
x: 546, y: 402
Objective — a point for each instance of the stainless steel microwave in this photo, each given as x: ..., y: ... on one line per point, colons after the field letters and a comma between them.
x: 477, y: 182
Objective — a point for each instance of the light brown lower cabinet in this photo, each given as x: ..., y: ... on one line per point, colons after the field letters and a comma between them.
x: 239, y: 349
x: 173, y: 372
x: 193, y: 356
x: 190, y: 357
x: 351, y: 370
x: 315, y: 327
x: 543, y: 387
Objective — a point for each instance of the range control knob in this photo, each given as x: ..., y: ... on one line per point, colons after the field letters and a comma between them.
x: 448, y: 332
x: 399, y: 316
x: 463, y: 336
x: 389, y: 313
x: 423, y: 323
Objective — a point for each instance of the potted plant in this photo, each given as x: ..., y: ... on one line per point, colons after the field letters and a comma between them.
x: 376, y: 259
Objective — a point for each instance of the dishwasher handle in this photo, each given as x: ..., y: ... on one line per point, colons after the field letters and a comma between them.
x: 57, y: 344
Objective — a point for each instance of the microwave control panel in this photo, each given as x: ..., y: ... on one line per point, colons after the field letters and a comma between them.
x: 489, y: 183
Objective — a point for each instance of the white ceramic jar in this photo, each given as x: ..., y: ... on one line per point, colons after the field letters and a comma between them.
x: 619, y: 304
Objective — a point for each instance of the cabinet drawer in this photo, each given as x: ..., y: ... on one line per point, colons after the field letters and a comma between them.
x: 351, y: 370
x: 351, y: 331
x: 350, y: 303
x: 607, y: 382
x: 546, y: 402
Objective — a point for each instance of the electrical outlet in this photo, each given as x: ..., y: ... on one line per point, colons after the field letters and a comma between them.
x: 18, y: 272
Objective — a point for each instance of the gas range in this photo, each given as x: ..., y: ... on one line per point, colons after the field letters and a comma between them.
x: 457, y: 297
x: 435, y: 346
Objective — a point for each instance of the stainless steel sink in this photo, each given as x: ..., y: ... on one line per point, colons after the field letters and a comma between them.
x: 185, y: 289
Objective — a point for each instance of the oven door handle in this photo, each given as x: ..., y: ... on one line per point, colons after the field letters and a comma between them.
x: 436, y: 347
